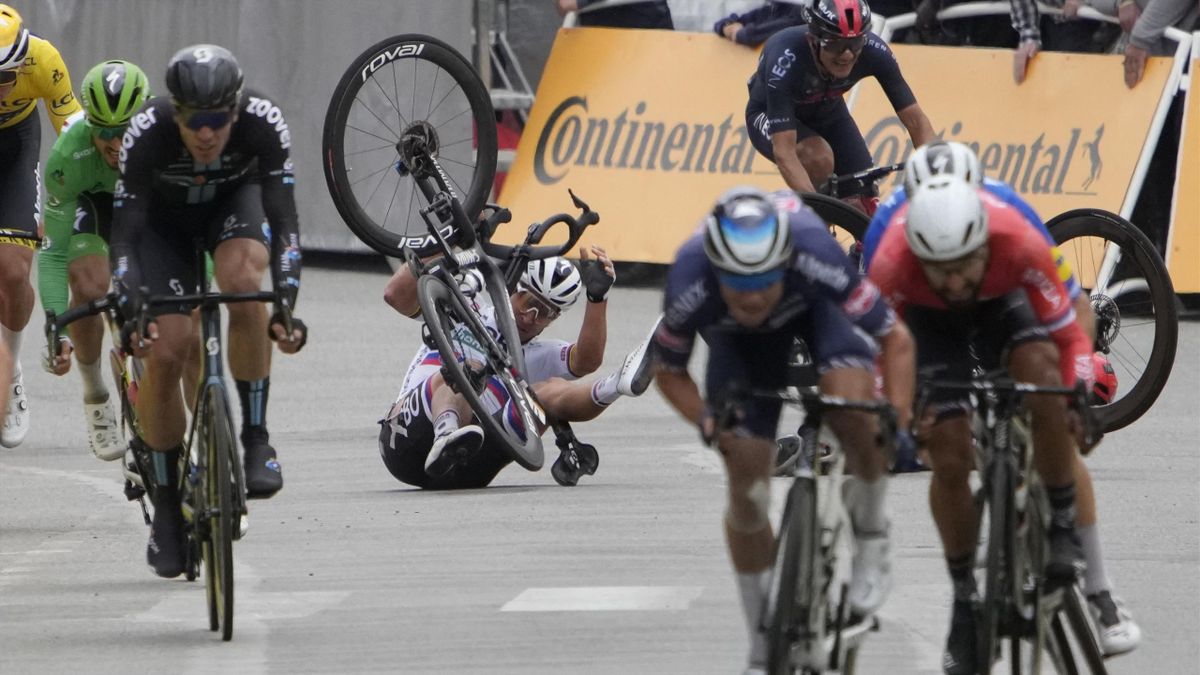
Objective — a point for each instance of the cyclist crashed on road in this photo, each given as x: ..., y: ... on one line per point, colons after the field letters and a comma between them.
x: 423, y: 440
x: 763, y: 272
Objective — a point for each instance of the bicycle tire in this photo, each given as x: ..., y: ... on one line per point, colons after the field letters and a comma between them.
x: 445, y: 313
x: 338, y: 174
x: 999, y: 563
x: 1114, y: 229
x: 220, y: 451
x: 790, y: 595
x: 838, y: 213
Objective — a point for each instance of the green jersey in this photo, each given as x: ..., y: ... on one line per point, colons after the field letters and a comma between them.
x: 75, y: 167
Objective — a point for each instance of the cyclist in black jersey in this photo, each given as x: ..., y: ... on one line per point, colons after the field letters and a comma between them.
x: 796, y: 116
x: 208, y: 163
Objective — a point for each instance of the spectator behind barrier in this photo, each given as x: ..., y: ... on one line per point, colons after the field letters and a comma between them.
x: 754, y: 27
x: 649, y: 14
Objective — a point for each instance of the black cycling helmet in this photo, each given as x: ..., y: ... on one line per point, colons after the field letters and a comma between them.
x: 204, y: 77
x: 838, y: 18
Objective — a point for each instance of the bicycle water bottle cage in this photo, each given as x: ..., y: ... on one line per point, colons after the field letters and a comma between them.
x: 417, y: 147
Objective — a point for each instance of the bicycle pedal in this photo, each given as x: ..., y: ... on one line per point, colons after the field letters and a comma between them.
x: 566, y: 471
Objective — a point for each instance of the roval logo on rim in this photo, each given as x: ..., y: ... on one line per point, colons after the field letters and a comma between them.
x: 400, y: 52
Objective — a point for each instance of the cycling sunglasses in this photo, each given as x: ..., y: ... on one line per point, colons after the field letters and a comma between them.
x: 542, y: 310
x: 107, y: 133
x: 198, y: 119
x: 837, y: 45
x: 7, y: 77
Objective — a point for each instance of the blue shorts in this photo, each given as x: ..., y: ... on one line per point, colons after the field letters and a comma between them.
x: 835, y: 125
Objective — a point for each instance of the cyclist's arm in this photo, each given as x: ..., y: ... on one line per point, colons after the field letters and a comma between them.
x: 1050, y: 302
x: 278, y: 198
x: 401, y: 293
x: 680, y: 390
x: 783, y: 144
x: 52, y: 259
x: 899, y: 366
x: 587, y: 353
x: 61, y: 105
x: 920, y: 129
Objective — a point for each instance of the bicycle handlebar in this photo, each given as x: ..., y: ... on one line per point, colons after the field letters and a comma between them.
x: 537, y: 231
x: 859, y: 179
x: 809, y: 400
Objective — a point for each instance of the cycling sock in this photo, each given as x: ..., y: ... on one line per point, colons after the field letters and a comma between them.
x: 94, y: 390
x: 12, y: 338
x: 752, y: 587
x: 166, y: 469
x: 865, y: 500
x: 1062, y: 506
x: 962, y: 576
x: 446, y: 423
x: 253, y: 396
x: 1095, y: 578
x: 604, y: 391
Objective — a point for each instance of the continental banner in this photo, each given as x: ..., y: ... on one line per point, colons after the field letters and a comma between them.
x: 1183, y: 244
x: 649, y: 127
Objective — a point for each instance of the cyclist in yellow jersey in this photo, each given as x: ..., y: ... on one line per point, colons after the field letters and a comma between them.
x: 30, y: 69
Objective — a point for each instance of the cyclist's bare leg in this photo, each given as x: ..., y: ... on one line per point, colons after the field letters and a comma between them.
x: 748, y: 466
x: 160, y: 408
x: 239, y: 268
x: 1037, y: 363
x: 1085, y: 495
x: 817, y: 158
x: 566, y: 400
x: 856, y: 431
x: 951, y: 458
x: 443, y: 399
x: 16, y: 293
x: 6, y: 366
x: 193, y: 367
x: 88, y: 278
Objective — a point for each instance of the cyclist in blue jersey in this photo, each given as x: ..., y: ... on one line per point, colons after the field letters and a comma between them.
x: 796, y: 116
x: 762, y: 272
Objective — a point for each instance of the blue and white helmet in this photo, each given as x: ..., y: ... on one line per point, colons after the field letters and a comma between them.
x: 554, y: 280
x: 747, y: 234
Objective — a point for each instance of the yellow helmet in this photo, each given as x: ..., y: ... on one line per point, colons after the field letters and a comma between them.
x: 14, y: 39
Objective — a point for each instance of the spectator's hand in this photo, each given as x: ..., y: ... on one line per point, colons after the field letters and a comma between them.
x: 1127, y: 14
x: 927, y: 15
x: 566, y: 6
x: 598, y: 273
x: 1021, y: 58
x: 1135, y: 65
x: 730, y: 30
x: 1071, y: 8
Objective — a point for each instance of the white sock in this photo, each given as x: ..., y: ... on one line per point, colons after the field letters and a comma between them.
x: 12, y: 338
x: 753, y: 589
x: 446, y: 423
x: 94, y: 390
x: 604, y: 391
x: 1095, y: 578
x: 865, y: 501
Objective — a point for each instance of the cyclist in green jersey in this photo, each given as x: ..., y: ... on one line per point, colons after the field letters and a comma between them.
x: 80, y: 177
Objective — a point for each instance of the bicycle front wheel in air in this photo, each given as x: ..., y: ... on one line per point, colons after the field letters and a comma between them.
x: 406, y: 86
x: 221, y: 519
x: 1137, y: 321
x: 793, y: 590
x: 500, y: 401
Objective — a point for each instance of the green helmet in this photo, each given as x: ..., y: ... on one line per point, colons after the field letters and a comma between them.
x: 112, y: 92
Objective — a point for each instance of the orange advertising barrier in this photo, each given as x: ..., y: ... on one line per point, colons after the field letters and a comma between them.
x: 1183, y: 247
x: 648, y: 127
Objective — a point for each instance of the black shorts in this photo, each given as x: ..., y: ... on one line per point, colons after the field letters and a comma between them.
x: 955, y: 344
x: 20, y: 182
x: 166, y: 250
x: 834, y: 124
x: 93, y: 214
x: 406, y: 435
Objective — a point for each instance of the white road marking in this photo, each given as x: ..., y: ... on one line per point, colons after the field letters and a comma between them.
x: 603, y: 598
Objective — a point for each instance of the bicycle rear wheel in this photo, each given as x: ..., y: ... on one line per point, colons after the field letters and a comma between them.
x: 400, y: 87
x: 792, y: 591
x: 1137, y: 321
x: 217, y: 480
x: 509, y: 416
x: 999, y: 572
x: 847, y: 224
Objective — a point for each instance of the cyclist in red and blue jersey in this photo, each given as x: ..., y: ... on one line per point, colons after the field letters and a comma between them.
x: 762, y: 272
x: 796, y: 116
x: 978, y: 287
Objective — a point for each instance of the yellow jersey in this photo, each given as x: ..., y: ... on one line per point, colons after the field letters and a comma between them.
x: 44, y: 76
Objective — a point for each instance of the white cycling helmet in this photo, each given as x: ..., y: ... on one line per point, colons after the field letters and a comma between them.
x: 746, y: 234
x: 946, y: 219
x: 554, y: 279
x: 938, y: 158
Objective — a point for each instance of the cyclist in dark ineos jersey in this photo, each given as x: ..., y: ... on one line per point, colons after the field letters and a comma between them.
x: 210, y: 161
x: 796, y: 116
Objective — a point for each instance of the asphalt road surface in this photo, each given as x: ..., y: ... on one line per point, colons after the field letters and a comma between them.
x: 347, y: 570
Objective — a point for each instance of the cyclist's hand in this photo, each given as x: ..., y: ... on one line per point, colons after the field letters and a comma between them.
x: 288, y: 344
x: 1021, y: 58
x: 61, y: 364
x: 598, y: 274
x: 906, y: 458
x: 708, y: 426
x: 133, y: 342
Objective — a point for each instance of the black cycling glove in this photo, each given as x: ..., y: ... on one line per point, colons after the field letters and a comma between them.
x: 595, y: 279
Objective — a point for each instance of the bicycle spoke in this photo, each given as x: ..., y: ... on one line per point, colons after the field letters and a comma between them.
x: 392, y: 201
x: 456, y: 87
x: 390, y: 142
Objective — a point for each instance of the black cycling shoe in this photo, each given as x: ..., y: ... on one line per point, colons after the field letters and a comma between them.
x: 1065, y: 556
x: 961, y: 650
x: 166, y: 552
x: 264, y: 477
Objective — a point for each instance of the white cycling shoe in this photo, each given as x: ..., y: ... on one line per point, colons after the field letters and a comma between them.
x: 1117, y: 630
x: 453, y: 448
x: 870, y: 573
x: 16, y: 420
x: 637, y: 371
x: 104, y: 433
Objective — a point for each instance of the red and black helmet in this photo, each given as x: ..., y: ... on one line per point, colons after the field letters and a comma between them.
x: 1105, y: 388
x: 838, y: 18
